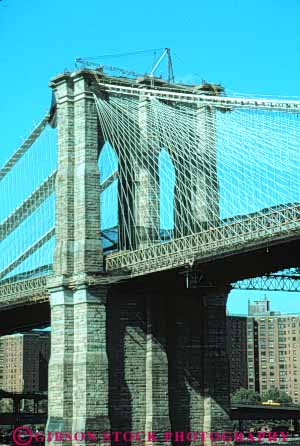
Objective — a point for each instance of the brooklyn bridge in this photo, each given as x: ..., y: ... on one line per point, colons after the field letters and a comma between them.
x: 126, y: 217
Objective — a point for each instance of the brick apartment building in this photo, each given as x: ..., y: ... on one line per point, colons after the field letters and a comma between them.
x: 271, y: 349
x: 237, y: 351
x: 24, y: 362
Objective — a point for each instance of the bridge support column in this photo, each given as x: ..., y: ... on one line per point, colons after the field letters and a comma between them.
x: 199, y: 367
x: 60, y: 386
x: 196, y: 186
x: 186, y: 370
x: 146, y: 187
x: 157, y: 370
x: 88, y: 255
x: 78, y: 370
x: 90, y: 388
x: 204, y: 179
x: 216, y: 364
x: 64, y: 189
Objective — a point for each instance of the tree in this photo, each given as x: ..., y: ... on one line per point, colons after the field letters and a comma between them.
x: 245, y: 396
x: 276, y: 395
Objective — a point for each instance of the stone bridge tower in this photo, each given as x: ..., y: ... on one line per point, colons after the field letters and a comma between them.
x: 139, y: 356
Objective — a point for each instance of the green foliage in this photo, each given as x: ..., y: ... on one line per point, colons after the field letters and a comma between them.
x: 276, y: 395
x: 245, y: 396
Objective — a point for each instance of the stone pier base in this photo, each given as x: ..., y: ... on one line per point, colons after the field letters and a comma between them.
x: 130, y: 359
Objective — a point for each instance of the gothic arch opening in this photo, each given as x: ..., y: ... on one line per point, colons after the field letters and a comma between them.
x: 167, y: 179
x: 109, y: 220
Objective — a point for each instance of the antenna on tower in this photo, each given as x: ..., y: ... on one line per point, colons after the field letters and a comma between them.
x: 93, y: 62
x: 166, y: 53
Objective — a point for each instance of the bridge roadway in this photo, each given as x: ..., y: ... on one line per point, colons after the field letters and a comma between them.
x: 245, y: 234
x: 25, y: 304
x: 219, y: 253
x: 238, y: 412
x: 264, y: 412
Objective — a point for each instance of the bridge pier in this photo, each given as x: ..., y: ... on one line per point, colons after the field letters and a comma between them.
x: 78, y: 369
x: 60, y: 384
x: 141, y: 359
x: 205, y: 188
x: 90, y: 363
x: 157, y: 368
x: 196, y: 185
x: 186, y: 372
x: 146, y: 181
x: 134, y: 357
x: 199, y: 367
x: 216, y: 364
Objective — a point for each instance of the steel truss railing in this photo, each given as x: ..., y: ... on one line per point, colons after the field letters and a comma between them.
x: 215, y: 241
x: 33, y: 291
x: 24, y: 292
x: 184, y: 251
x: 272, y: 282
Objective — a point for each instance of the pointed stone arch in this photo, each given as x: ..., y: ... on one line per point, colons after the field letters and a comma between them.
x: 108, y: 163
x: 167, y: 179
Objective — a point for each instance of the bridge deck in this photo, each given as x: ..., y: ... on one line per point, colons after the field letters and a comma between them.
x: 258, y: 412
x: 268, y: 229
x: 273, y: 226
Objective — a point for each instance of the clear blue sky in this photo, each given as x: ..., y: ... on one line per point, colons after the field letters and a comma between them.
x: 249, y: 46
